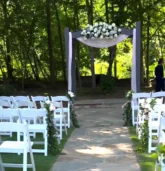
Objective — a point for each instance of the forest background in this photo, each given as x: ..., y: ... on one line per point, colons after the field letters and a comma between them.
x: 32, y: 45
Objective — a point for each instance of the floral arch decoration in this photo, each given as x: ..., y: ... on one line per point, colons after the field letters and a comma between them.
x: 103, y: 35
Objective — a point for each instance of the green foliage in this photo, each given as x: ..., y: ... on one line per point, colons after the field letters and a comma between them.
x: 73, y: 115
x: 127, y: 115
x: 160, y: 149
x: 144, y: 134
x: 153, y: 103
x: 7, y: 90
x: 52, y: 132
x: 107, y: 83
x: 129, y: 95
x: 24, y: 35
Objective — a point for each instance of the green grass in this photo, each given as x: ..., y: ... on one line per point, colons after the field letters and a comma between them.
x: 146, y: 161
x: 42, y: 163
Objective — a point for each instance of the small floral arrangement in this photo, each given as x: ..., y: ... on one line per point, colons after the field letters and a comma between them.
x: 71, y: 96
x: 52, y: 132
x: 101, y: 30
x: 143, y: 128
x: 73, y: 115
x: 127, y: 110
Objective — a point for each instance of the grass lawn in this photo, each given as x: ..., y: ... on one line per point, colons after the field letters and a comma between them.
x: 146, y: 161
x: 43, y: 163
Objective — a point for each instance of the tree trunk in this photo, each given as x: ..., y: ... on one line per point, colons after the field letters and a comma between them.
x: 115, y: 68
x: 147, y: 50
x: 50, y: 43
x: 77, y: 49
x: 8, y: 57
x: 61, y: 44
x: 89, y: 5
x: 112, y: 56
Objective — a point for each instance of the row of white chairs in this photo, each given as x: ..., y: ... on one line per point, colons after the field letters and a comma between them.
x: 60, y: 117
x: 154, y: 116
x: 30, y: 117
x: 26, y: 101
x: 35, y: 122
x: 142, y: 95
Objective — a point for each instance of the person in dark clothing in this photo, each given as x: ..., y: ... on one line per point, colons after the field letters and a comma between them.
x: 159, y: 73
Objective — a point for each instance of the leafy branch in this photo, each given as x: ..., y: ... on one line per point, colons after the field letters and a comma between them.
x: 52, y: 132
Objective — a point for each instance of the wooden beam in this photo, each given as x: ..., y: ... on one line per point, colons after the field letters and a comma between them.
x: 74, y: 81
x: 126, y: 31
x: 76, y: 34
x: 138, y: 54
x: 66, y: 34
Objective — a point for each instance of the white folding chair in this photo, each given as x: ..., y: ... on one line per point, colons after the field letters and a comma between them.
x: 23, y: 147
x: 7, y: 99
x: 161, y: 139
x: 8, y: 115
x: 66, y: 106
x: 22, y: 101
x: 32, y: 114
x: 135, y: 104
x: 40, y: 100
x: 5, y: 104
x: 145, y: 103
x: 59, y: 117
x: 153, y: 127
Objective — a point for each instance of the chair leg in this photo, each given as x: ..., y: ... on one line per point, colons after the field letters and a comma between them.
x: 68, y: 119
x: 18, y: 139
x: 65, y: 125
x: 61, y: 128
x: 32, y: 160
x: 133, y: 117
x: 25, y: 160
x: 149, y: 143
x: 1, y: 162
x: 46, y: 144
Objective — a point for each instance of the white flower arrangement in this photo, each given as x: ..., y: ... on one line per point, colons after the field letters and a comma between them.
x: 71, y: 94
x: 50, y: 105
x: 101, y: 30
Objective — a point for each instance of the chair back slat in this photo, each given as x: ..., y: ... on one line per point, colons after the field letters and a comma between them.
x: 158, y: 94
x: 60, y: 98
x: 141, y: 95
x: 14, y: 127
x: 39, y: 101
x: 5, y: 104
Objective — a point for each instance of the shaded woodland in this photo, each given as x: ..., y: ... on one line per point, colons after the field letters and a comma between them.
x: 32, y: 48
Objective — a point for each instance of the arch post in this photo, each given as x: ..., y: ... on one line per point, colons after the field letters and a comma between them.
x: 138, y: 55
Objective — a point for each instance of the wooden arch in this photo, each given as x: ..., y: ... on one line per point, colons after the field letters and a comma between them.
x: 125, y: 31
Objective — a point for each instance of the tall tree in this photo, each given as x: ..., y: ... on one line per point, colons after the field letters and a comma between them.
x: 50, y: 42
